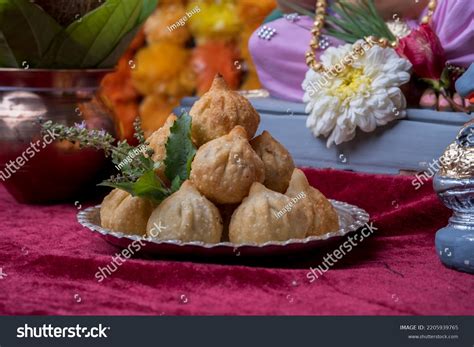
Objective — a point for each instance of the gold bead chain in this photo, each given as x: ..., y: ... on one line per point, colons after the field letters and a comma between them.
x: 320, y: 17
x: 431, y: 8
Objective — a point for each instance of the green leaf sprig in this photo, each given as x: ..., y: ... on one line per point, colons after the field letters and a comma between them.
x: 180, y: 152
x: 138, y: 170
x: 355, y: 21
x: 352, y: 22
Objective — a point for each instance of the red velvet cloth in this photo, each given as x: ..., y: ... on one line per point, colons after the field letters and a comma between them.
x: 50, y: 262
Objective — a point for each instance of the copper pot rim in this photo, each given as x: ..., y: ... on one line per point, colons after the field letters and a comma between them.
x: 51, y: 79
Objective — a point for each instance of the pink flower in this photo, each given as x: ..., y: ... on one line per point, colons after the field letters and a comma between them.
x: 423, y: 49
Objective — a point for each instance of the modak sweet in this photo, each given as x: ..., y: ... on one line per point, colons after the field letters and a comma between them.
x: 265, y: 216
x: 186, y: 216
x: 277, y: 160
x: 122, y: 212
x: 316, y: 206
x: 218, y: 111
x: 224, y: 169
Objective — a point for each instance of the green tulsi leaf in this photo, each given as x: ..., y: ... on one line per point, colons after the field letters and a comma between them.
x: 137, y: 169
x: 147, y: 186
x: 180, y: 149
x: 176, y: 184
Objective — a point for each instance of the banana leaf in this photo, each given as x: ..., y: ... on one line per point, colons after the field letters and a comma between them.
x: 97, y: 40
x: 26, y: 33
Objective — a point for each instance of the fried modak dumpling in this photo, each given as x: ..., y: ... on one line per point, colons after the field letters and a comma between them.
x: 277, y: 160
x: 186, y: 215
x: 224, y: 169
x: 265, y: 216
x: 125, y: 213
x: 157, y: 141
x: 322, y: 212
x: 218, y: 111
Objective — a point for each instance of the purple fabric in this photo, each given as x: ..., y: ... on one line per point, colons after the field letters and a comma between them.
x: 281, y: 63
x: 453, y: 22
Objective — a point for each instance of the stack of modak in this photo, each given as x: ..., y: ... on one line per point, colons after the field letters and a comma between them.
x: 241, y: 189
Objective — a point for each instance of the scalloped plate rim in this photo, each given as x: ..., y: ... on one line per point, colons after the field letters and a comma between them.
x: 361, y: 217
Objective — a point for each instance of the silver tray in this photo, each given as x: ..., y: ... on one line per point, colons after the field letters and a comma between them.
x: 351, y: 218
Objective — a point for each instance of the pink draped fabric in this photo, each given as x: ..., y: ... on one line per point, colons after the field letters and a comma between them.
x: 50, y: 263
x: 453, y: 22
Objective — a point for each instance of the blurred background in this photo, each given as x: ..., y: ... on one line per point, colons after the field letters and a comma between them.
x: 177, y: 53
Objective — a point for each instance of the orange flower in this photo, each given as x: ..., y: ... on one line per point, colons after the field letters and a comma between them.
x: 158, y: 25
x: 253, y: 13
x: 216, y: 57
x: 154, y: 110
x: 163, y: 69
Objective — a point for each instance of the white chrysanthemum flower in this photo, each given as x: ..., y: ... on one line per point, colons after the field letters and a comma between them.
x: 399, y: 28
x: 364, y: 95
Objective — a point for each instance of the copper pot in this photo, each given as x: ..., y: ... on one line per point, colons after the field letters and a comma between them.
x: 32, y: 170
